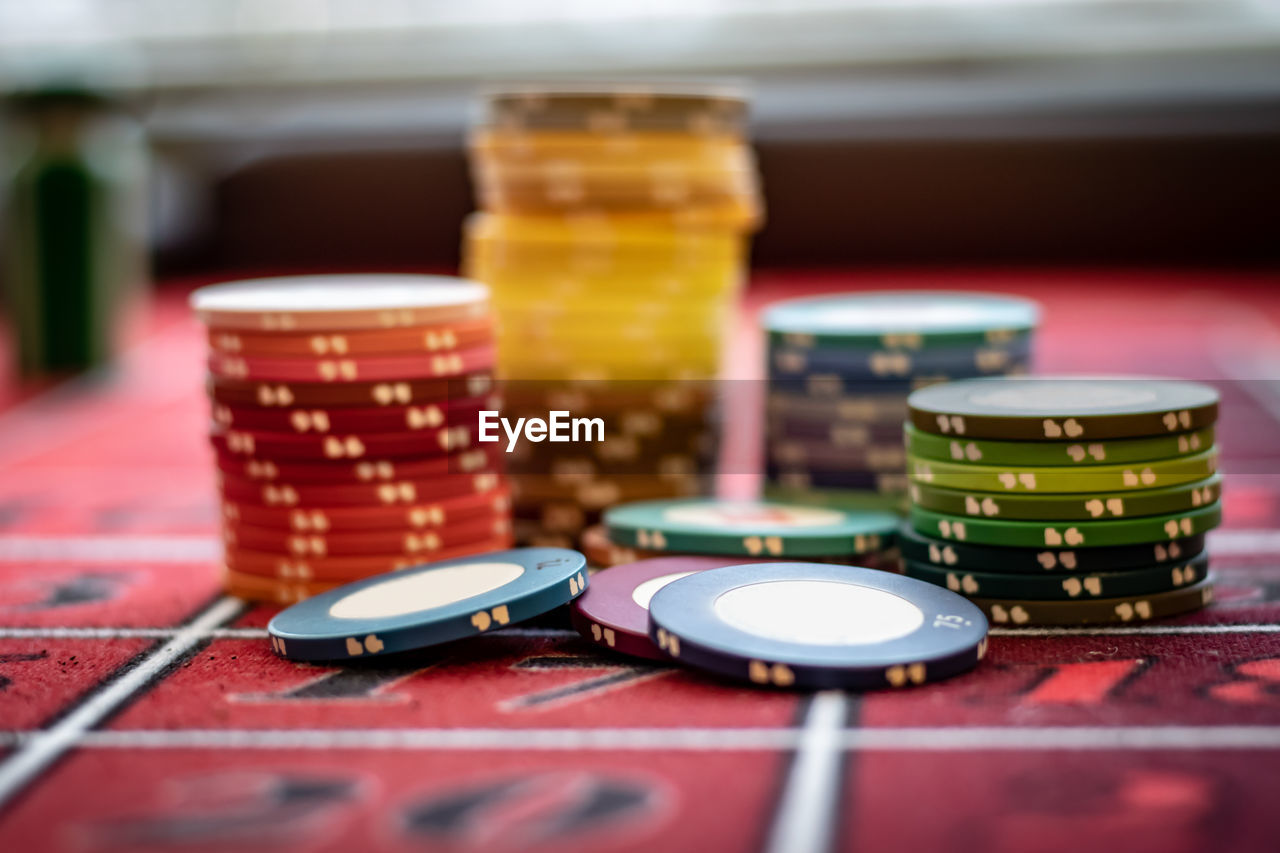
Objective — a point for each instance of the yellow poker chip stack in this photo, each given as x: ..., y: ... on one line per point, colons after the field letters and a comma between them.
x: 613, y: 231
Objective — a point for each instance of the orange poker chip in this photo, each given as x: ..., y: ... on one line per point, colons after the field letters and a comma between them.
x: 307, y: 570
x: 346, y: 369
x: 343, y: 447
x: 464, y: 410
x: 323, y: 395
x: 339, y: 302
x: 400, y: 492
x: 352, y: 519
x: 462, y: 335
x: 412, y: 543
x: 474, y: 461
x: 268, y: 590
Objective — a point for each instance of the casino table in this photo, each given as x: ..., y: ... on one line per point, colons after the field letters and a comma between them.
x: 140, y: 709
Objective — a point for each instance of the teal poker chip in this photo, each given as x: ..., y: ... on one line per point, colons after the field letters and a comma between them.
x: 748, y: 528
x: 1067, y: 408
x: 1066, y: 587
x: 920, y: 548
x: 427, y: 605
x: 1081, y: 507
x: 1066, y: 534
x: 1053, y: 453
x: 814, y: 626
x: 900, y: 320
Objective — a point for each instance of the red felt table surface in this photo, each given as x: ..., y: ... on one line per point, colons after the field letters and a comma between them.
x: 140, y: 710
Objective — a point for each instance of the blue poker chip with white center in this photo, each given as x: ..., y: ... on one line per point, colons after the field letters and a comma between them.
x: 815, y: 625
x: 430, y: 604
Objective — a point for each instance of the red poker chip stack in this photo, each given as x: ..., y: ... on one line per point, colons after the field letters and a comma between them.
x: 344, y: 418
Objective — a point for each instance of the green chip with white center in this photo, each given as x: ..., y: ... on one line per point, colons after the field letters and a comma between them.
x: 1065, y: 587
x: 1064, y: 479
x: 1066, y: 408
x: 1081, y: 507
x: 1052, y: 453
x: 1068, y: 534
x: 748, y: 528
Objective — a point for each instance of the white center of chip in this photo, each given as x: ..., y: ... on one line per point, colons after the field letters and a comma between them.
x: 910, y: 312
x: 339, y: 293
x: 820, y: 613
x: 1064, y: 397
x: 644, y: 593
x: 752, y: 516
x: 914, y: 316
x: 418, y: 592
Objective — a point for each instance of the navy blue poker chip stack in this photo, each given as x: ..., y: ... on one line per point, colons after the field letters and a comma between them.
x: 840, y: 368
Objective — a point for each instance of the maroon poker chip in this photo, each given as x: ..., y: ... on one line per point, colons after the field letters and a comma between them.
x: 342, y: 448
x: 397, y: 493
x: 614, y: 611
x: 476, y: 460
x: 313, y: 421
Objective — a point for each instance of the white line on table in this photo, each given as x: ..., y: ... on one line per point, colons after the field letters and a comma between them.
x: 45, y: 747
x: 923, y: 738
x: 805, y: 820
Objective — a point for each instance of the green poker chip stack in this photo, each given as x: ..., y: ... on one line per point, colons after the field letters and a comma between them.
x: 1064, y: 501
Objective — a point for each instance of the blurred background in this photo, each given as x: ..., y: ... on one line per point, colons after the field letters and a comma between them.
x: 308, y: 134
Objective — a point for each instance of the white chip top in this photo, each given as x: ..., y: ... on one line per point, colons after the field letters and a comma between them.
x: 319, y: 293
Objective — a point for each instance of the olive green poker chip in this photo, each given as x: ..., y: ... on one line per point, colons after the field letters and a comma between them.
x: 1063, y: 408
x: 1076, y: 534
x: 1062, y: 479
x: 1077, y: 507
x: 1051, y: 453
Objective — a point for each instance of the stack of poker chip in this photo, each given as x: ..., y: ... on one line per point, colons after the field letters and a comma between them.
x: 1064, y: 501
x: 345, y: 411
x: 613, y: 232
x: 840, y: 369
x: 744, y: 529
